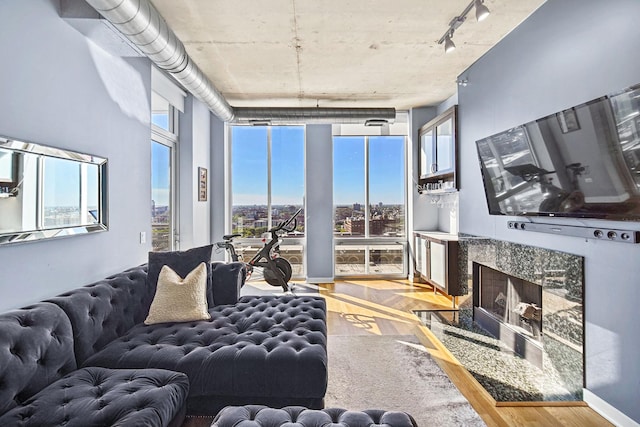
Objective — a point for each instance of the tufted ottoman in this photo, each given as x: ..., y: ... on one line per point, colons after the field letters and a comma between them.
x: 106, y: 397
x: 262, y: 416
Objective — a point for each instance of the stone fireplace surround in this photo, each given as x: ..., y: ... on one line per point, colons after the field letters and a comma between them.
x: 561, y: 276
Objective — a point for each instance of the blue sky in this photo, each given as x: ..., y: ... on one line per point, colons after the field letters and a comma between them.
x: 160, y: 170
x: 62, y: 183
x: 249, y: 168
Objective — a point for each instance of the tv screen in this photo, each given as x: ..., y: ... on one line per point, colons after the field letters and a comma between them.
x: 580, y: 162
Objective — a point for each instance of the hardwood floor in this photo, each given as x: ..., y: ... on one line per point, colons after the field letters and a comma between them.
x: 383, y: 307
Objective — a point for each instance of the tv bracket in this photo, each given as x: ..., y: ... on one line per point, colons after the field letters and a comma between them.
x: 610, y: 234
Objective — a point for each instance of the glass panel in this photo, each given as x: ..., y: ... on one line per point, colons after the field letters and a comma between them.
x: 7, y: 170
x: 386, y: 259
x: 287, y: 176
x: 426, y: 153
x: 349, y: 186
x: 350, y: 260
x: 444, y: 146
x: 161, y: 197
x: 61, y: 193
x: 160, y: 112
x: 249, y: 177
x: 386, y: 186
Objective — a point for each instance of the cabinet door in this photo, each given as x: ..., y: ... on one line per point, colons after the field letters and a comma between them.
x: 427, y: 157
x: 444, y: 147
x: 438, y: 263
x: 423, y: 256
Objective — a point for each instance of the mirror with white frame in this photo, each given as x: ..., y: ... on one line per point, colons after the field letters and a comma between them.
x: 48, y: 192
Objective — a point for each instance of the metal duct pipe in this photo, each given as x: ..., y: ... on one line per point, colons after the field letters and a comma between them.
x: 141, y: 23
x: 315, y: 115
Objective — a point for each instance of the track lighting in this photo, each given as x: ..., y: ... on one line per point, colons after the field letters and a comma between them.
x: 482, y: 12
x: 449, y: 45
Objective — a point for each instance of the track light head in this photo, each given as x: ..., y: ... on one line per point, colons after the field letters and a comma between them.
x: 482, y: 11
x: 449, y: 45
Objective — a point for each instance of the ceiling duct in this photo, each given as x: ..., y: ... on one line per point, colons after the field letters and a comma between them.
x: 314, y: 115
x: 143, y: 25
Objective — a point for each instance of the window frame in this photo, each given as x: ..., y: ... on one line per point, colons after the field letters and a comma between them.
x: 170, y: 139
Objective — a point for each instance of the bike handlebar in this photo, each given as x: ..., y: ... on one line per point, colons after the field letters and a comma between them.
x: 283, y: 226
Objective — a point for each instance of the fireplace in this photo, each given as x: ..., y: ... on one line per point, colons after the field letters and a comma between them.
x: 540, y: 313
x: 510, y: 308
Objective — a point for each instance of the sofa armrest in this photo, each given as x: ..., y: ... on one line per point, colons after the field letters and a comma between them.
x: 227, y: 279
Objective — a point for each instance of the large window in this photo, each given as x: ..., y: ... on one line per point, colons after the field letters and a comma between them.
x: 267, y: 187
x: 163, y: 174
x: 369, y: 198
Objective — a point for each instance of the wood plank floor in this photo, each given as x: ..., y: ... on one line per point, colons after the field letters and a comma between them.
x: 383, y: 307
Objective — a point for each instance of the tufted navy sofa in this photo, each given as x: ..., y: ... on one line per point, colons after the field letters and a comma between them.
x: 40, y: 384
x: 262, y: 416
x: 265, y: 350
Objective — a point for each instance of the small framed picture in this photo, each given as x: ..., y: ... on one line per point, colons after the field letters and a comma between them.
x: 568, y: 120
x: 202, y: 184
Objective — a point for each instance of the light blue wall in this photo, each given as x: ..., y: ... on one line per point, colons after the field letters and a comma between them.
x: 566, y: 53
x: 319, y: 203
x: 194, y: 153
x: 59, y: 89
x: 218, y: 184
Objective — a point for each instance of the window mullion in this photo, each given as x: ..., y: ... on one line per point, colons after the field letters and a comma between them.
x: 367, y: 210
x: 269, y: 216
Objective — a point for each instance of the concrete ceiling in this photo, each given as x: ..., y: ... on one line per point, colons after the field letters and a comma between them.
x: 336, y: 53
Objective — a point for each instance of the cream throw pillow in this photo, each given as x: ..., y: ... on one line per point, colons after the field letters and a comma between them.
x: 179, y: 300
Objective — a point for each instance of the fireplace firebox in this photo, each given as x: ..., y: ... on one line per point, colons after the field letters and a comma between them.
x: 509, y: 308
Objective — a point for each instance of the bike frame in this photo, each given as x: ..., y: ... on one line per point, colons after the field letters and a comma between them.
x: 265, y: 258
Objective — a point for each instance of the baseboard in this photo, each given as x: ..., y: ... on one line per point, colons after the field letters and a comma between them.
x: 319, y: 280
x: 603, y: 408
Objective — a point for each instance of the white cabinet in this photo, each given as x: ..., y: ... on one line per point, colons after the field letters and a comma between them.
x: 437, y: 261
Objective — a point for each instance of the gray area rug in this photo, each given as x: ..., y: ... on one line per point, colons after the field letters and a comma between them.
x: 394, y: 373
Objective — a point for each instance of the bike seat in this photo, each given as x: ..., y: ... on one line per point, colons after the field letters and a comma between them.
x: 230, y: 236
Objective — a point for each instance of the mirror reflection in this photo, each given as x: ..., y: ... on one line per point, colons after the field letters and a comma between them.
x: 47, y: 192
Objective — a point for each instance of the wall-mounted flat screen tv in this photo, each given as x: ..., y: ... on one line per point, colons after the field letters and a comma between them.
x: 580, y: 162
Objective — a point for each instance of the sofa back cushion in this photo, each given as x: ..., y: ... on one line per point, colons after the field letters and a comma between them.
x: 105, y: 310
x: 36, y: 349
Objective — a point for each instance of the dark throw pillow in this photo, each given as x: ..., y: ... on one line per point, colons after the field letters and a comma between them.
x: 182, y: 262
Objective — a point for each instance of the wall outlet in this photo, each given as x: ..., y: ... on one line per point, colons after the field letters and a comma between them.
x: 143, y: 237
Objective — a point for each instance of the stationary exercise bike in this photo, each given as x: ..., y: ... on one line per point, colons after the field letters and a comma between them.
x: 276, y: 270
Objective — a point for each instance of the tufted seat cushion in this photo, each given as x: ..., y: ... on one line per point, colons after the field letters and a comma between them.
x: 296, y: 416
x: 106, y: 397
x: 267, y: 346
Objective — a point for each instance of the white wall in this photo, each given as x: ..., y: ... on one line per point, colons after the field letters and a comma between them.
x: 58, y: 88
x: 566, y: 53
